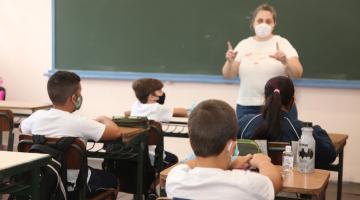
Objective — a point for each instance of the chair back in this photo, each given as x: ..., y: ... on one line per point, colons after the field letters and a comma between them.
x: 74, y: 157
x: 129, y: 159
x: 7, y: 125
x: 275, y: 151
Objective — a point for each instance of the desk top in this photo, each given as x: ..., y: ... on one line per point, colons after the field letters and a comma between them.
x: 312, y: 183
x: 20, y: 161
x: 24, y: 105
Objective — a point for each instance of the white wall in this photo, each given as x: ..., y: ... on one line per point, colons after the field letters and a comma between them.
x: 25, y: 55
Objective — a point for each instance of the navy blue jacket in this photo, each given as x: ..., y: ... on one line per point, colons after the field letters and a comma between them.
x: 291, y: 129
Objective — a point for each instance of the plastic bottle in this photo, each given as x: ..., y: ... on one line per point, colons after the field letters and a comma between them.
x: 306, y: 150
x: 287, y: 159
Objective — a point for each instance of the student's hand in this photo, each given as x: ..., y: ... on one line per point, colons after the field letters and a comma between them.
x: 279, y: 55
x: 258, y: 159
x: 230, y: 53
x: 241, y: 162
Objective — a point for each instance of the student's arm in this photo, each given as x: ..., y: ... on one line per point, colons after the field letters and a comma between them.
x: 241, y: 162
x: 231, y: 67
x: 180, y: 112
x: 113, y: 131
x: 266, y: 168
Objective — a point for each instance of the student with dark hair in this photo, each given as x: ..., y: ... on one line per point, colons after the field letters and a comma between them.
x: 212, y: 174
x: 64, y: 90
x: 150, y: 102
x: 275, y: 123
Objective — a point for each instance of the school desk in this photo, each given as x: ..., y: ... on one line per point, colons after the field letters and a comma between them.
x: 339, y: 141
x: 314, y: 184
x: 13, y: 163
x: 23, y: 108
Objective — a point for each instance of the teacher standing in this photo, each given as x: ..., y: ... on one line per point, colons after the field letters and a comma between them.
x: 258, y: 58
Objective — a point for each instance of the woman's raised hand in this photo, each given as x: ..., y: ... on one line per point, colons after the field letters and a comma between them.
x: 230, y: 53
x: 279, y: 55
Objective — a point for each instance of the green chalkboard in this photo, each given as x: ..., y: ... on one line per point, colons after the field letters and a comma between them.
x: 189, y: 36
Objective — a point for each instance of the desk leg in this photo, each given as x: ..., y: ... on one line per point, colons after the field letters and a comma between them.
x: 140, y: 168
x: 340, y: 174
x: 35, y: 183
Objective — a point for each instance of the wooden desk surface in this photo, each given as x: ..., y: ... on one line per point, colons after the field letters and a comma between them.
x: 23, y: 105
x: 339, y: 140
x: 313, y: 183
x: 10, y: 161
x: 23, y: 108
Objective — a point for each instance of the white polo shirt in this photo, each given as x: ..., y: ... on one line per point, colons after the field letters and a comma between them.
x: 214, y: 183
x: 58, y: 123
x: 153, y: 111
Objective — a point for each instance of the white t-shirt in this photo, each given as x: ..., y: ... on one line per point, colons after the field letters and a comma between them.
x: 57, y: 123
x: 214, y: 183
x: 153, y: 111
x: 257, y: 67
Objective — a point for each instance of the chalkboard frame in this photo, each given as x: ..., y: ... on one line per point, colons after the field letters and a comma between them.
x: 214, y: 79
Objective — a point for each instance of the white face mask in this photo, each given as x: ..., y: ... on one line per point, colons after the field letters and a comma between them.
x: 263, y: 30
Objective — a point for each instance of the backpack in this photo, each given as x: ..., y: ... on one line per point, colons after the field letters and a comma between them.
x: 53, y: 185
x: 2, y: 93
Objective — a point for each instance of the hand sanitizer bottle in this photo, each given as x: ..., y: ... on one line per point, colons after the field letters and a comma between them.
x: 287, y: 160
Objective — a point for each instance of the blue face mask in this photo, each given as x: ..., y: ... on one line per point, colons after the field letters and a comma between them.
x: 78, y: 102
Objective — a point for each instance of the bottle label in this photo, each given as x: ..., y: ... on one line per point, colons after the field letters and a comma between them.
x: 288, y: 163
x: 306, y: 158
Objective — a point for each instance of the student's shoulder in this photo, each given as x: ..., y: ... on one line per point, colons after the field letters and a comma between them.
x: 179, y: 170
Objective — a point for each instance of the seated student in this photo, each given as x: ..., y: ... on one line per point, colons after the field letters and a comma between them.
x: 150, y: 102
x: 64, y: 90
x: 275, y: 123
x: 212, y: 174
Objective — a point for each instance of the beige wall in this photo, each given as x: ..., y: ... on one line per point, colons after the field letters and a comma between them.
x: 25, y: 55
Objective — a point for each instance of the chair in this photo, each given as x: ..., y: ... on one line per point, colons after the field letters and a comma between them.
x: 275, y: 151
x: 7, y: 124
x: 73, y: 159
x: 129, y: 158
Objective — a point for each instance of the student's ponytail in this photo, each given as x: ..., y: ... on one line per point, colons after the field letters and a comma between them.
x: 279, y: 92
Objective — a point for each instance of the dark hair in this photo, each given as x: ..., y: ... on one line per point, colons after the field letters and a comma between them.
x: 265, y: 7
x: 61, y: 85
x: 279, y: 91
x: 146, y: 86
x: 211, y: 125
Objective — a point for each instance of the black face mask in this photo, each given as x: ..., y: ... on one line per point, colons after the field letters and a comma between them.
x: 161, y: 99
